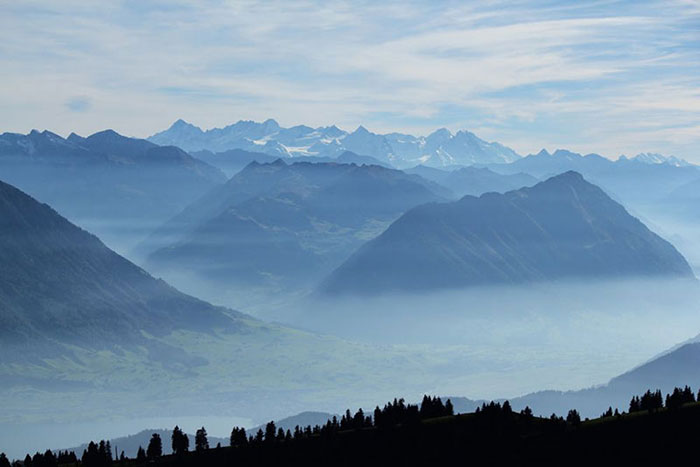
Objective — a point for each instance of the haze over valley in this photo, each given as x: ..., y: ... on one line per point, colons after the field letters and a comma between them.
x: 349, y: 229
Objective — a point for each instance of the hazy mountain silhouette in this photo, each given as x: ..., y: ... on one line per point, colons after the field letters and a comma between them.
x: 117, y: 187
x: 635, y: 181
x: 682, y: 203
x: 291, y: 222
x: 60, y: 284
x: 474, y: 181
x: 440, y: 148
x: 564, y: 227
x: 676, y: 368
x: 234, y: 160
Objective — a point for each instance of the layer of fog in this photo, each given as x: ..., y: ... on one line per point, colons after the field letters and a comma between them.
x: 485, y: 343
x: 502, y: 341
x: 524, y: 338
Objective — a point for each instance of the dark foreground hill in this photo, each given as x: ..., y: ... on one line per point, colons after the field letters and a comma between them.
x: 117, y: 187
x: 493, y: 435
x: 130, y: 444
x: 564, y: 227
x: 60, y: 284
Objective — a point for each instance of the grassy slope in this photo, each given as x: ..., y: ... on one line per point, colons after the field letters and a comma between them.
x: 265, y: 371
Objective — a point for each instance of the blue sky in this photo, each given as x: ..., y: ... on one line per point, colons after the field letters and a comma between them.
x: 601, y: 76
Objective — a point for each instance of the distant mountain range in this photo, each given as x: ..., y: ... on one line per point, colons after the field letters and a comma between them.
x: 118, y: 187
x: 474, y: 181
x: 655, y: 158
x: 59, y: 285
x: 234, y: 160
x: 562, y: 228
x: 440, y: 148
x: 637, y: 181
x: 284, y: 222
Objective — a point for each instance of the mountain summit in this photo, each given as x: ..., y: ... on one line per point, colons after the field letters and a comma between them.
x: 115, y: 186
x: 564, y: 227
x: 441, y: 148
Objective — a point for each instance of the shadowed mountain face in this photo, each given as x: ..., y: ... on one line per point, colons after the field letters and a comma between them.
x: 60, y: 284
x: 562, y: 228
x: 118, y: 187
x: 285, y: 222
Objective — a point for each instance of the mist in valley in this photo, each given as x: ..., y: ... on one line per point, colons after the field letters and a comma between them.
x: 349, y: 216
x: 482, y: 343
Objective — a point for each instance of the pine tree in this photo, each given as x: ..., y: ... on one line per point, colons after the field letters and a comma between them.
x: 155, y: 447
x: 449, y: 409
x: 573, y: 418
x: 4, y: 462
x: 358, y: 420
x: 49, y: 459
x: 270, y: 432
x: 635, y: 405
x: 377, y: 417
x: 238, y: 437
x: 141, y: 454
x: 200, y: 440
x: 180, y: 441
x: 507, y: 410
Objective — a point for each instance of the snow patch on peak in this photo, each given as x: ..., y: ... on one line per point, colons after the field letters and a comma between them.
x: 655, y: 158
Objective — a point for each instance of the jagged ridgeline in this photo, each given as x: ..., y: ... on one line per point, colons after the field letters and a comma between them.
x: 117, y: 187
x: 440, y: 148
x: 289, y: 223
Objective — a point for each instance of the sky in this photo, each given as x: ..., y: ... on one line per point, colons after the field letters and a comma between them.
x: 608, y: 77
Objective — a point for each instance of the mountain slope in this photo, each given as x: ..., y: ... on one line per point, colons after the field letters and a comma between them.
x: 563, y: 227
x: 59, y: 283
x: 285, y: 222
x: 677, y: 367
x: 117, y: 187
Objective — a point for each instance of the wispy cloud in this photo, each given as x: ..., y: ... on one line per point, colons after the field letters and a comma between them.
x: 593, y: 76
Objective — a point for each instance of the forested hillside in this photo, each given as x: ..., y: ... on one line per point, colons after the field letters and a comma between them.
x: 653, y: 430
